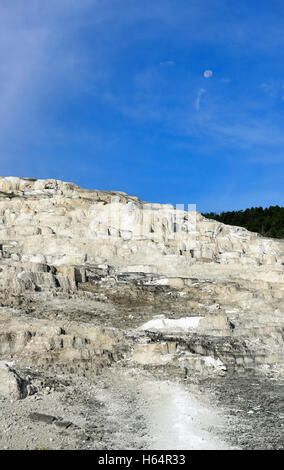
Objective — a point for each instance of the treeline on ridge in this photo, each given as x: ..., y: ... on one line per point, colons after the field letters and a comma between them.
x: 269, y: 222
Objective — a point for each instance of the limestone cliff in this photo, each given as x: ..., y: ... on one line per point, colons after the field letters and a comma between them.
x: 58, y: 223
x: 70, y: 256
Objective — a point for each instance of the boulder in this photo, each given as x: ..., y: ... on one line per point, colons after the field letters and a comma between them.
x: 11, y: 384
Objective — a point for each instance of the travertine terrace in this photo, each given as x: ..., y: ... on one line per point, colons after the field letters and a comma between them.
x: 92, y: 281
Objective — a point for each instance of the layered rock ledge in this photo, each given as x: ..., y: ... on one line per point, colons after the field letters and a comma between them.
x: 92, y: 281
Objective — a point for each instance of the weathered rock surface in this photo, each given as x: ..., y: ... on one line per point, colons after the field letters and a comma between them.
x: 49, y: 221
x: 78, y: 346
x: 93, y: 279
x: 12, y: 386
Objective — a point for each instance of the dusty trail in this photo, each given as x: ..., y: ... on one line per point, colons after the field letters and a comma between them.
x: 144, y: 413
x: 121, y: 409
x: 179, y: 421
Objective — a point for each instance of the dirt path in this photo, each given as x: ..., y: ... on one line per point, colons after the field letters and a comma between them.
x: 177, y: 420
x: 151, y: 414
x: 122, y: 409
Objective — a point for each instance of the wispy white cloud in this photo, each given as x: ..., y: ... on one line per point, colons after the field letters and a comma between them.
x: 201, y: 92
x: 167, y: 63
x: 45, y: 59
x: 225, y: 80
x: 247, y: 133
x: 35, y: 57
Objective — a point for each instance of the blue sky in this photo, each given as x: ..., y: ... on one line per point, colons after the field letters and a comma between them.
x: 175, y: 101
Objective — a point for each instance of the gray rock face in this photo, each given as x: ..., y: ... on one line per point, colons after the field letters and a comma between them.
x: 12, y: 386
